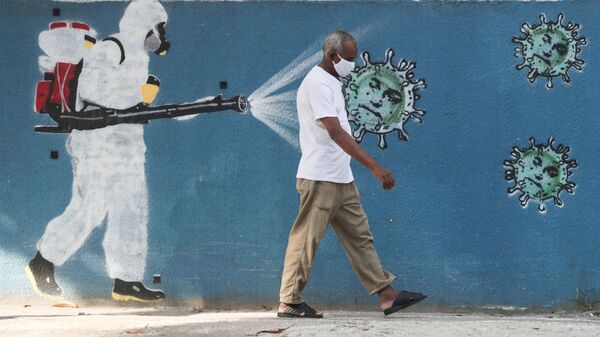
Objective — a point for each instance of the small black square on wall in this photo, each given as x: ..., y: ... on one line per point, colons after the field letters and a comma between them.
x: 223, y: 85
x: 54, y: 154
x: 56, y: 12
x: 156, y: 279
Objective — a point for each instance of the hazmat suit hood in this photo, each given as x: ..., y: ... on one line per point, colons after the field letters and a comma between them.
x: 117, y: 67
x: 143, y: 23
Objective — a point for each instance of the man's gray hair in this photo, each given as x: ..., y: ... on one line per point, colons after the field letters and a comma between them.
x: 334, y: 42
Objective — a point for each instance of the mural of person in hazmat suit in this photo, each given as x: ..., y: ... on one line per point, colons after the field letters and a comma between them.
x: 109, y: 181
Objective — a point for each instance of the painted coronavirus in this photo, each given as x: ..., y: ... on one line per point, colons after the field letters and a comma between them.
x: 540, y: 172
x: 380, y: 97
x: 550, y: 49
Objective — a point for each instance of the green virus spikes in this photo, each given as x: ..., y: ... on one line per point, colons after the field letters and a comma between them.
x: 549, y: 49
x: 540, y: 172
x: 380, y: 97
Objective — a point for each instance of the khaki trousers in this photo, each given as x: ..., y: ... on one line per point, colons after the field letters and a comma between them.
x: 323, y: 203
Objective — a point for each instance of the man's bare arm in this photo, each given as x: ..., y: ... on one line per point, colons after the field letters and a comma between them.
x: 351, y: 147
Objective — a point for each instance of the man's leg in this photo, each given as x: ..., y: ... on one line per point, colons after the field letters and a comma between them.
x: 126, y: 240
x: 65, y: 234
x: 316, y: 208
x: 352, y: 229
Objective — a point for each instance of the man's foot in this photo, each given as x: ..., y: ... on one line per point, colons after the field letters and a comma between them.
x: 393, y: 301
x: 40, y: 273
x: 301, y: 310
x: 135, y: 291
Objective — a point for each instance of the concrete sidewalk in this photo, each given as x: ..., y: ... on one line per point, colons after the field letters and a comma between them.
x: 44, y: 320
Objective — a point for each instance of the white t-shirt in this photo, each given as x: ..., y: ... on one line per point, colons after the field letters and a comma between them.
x: 320, y: 95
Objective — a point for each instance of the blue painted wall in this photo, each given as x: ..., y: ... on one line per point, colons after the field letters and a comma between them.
x: 222, y: 195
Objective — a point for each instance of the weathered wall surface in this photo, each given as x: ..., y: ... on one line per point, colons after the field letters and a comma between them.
x: 221, y: 194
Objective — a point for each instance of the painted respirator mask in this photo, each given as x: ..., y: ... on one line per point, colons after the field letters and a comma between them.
x: 156, y: 42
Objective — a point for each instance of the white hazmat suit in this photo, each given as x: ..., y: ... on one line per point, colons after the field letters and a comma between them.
x: 109, y: 181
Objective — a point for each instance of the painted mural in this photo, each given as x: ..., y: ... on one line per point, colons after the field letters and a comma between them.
x: 540, y: 172
x: 550, y: 49
x: 380, y: 97
x: 109, y: 180
x: 101, y: 93
x: 160, y: 211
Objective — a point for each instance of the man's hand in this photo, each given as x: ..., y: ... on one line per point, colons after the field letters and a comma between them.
x: 385, y: 176
x: 351, y: 147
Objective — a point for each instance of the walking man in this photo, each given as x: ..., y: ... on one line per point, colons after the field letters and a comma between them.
x: 327, y: 191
